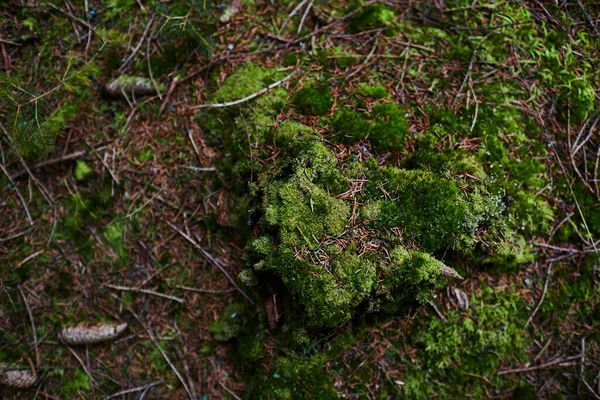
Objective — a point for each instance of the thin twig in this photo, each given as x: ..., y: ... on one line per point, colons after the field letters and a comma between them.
x: 235, y: 396
x: 548, y: 275
x: 74, y: 18
x: 252, y: 96
x: 206, y: 291
x: 290, y: 15
x: 139, y: 45
x: 145, y: 291
x: 9, y: 42
x: 210, y: 258
x: 33, y: 330
x: 23, y: 202
x: 200, y: 169
x: 137, y: 389
x: 304, y: 17
x: 542, y: 366
x: 162, y: 352
x: 84, y: 366
x: 110, y: 171
x: 438, y: 312
x: 468, y: 74
x: 366, y: 62
x: 72, y: 156
x: 29, y: 258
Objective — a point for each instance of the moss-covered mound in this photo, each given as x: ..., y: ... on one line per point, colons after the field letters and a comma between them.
x: 343, y: 232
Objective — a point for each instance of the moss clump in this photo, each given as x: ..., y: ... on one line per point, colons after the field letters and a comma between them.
x: 389, y: 129
x: 385, y: 127
x: 373, y: 17
x: 475, y: 342
x: 349, y: 125
x: 313, y: 99
x: 376, y: 92
x: 303, y: 223
x: 344, y: 237
x: 293, y: 377
x: 82, y: 170
x: 230, y: 323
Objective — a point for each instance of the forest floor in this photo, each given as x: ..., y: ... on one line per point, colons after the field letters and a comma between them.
x: 113, y: 206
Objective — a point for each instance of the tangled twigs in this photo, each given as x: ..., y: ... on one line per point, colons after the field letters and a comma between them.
x: 136, y: 389
x: 548, y: 275
x: 164, y: 355
x: 210, y: 258
x: 541, y: 366
x: 68, y: 157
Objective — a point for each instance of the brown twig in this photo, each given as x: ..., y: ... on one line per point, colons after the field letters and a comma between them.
x: 206, y: 291
x: 548, y: 275
x: 537, y: 367
x: 137, y: 389
x: 164, y: 355
x: 139, y: 45
x: 210, y: 258
x: 72, y: 156
x: 33, y: 330
x: 145, y: 291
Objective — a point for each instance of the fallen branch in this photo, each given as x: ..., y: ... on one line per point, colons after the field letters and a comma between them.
x: 548, y: 275
x: 162, y: 352
x: 137, y: 389
x: 210, y: 258
x: 33, y: 330
x: 145, y: 291
x: 72, y: 156
x: 247, y: 98
x: 206, y: 291
x: 542, y: 366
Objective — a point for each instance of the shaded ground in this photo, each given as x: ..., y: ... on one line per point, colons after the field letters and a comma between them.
x: 140, y: 205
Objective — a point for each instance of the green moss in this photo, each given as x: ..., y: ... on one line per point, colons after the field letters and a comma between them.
x: 290, y: 59
x: 373, y: 17
x: 230, y: 323
x: 114, y: 236
x: 343, y: 59
x: 376, y: 92
x: 475, y: 342
x: 389, y: 129
x: 349, y: 125
x: 385, y: 127
x: 294, y: 377
x: 313, y: 99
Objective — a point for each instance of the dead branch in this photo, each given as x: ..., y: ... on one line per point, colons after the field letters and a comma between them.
x: 247, y: 98
x: 145, y: 291
x: 210, y: 258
